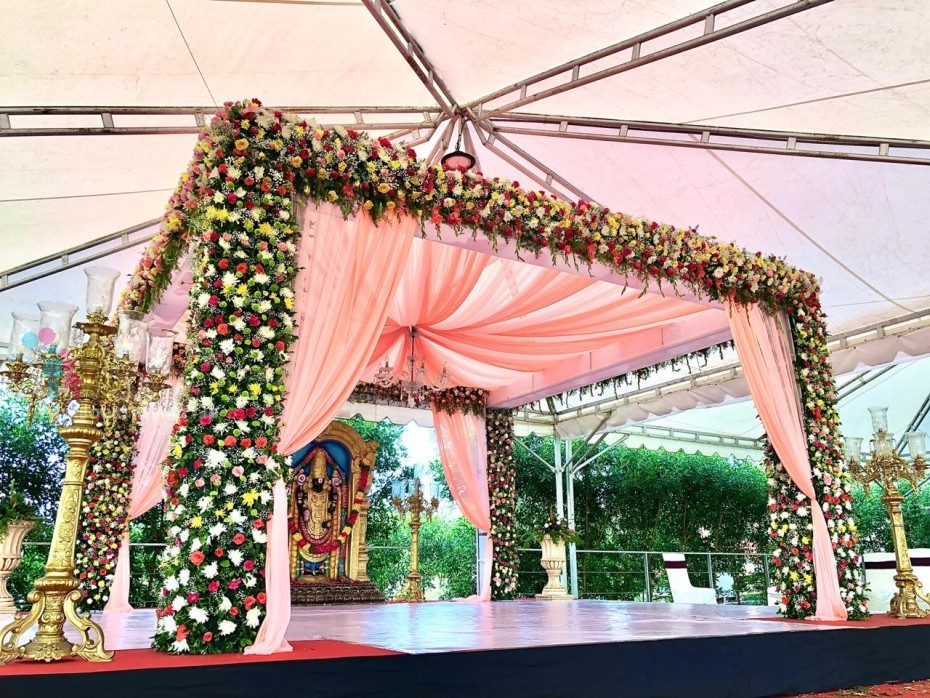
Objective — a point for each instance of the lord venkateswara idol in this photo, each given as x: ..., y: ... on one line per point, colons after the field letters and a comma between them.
x: 328, y: 516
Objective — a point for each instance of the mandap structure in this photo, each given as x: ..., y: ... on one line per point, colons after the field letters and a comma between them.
x: 305, y: 256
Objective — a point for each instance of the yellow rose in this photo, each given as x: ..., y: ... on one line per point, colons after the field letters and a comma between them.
x: 384, y: 187
x: 368, y: 205
x: 242, y: 144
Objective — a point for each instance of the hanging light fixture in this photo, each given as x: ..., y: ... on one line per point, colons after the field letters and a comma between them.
x: 458, y: 159
x: 413, y: 381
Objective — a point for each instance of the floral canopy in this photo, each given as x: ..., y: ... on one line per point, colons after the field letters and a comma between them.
x: 504, y: 324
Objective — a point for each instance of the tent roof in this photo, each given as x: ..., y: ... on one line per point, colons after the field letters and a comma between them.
x: 841, y: 80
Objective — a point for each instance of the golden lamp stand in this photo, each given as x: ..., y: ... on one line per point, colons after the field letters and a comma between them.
x: 885, y: 466
x: 106, y: 384
x: 416, y: 505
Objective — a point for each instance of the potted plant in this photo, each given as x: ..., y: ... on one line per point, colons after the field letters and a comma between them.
x: 17, y: 519
x: 552, y: 536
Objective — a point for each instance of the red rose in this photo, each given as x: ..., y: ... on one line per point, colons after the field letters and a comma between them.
x: 249, y: 565
x: 205, y: 420
x: 218, y: 552
x: 222, y: 329
x: 208, y: 440
x: 261, y: 597
x: 193, y: 597
x: 208, y: 637
x: 213, y: 586
x: 249, y: 602
x: 261, y: 442
x: 223, y: 263
x: 242, y: 268
x: 232, y: 198
x: 230, y: 440
x: 234, y: 611
x: 245, y: 443
x: 238, y: 539
x: 196, y: 558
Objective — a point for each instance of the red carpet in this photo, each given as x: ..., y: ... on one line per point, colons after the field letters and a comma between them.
x: 128, y: 660
x: 882, y: 620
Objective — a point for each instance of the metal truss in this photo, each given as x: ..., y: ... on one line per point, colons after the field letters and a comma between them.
x: 137, y: 121
x: 387, y: 18
x: 793, y: 143
x: 701, y: 378
x: 692, y: 437
x: 634, y: 56
x: 134, y: 236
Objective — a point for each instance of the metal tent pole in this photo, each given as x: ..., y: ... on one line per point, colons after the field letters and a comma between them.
x: 570, y: 502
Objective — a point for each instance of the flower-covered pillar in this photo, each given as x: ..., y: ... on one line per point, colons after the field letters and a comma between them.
x: 104, y: 520
x: 503, y: 497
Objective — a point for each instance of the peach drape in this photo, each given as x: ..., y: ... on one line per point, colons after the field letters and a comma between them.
x: 490, y: 320
x: 463, y: 450
x: 350, y: 270
x: 765, y: 352
x: 148, y: 489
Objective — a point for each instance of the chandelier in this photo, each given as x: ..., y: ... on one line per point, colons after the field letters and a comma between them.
x: 413, y: 381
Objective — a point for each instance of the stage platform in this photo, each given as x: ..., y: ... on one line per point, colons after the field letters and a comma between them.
x: 519, y: 648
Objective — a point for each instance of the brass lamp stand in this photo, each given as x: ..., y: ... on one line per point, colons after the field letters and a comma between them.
x: 415, y: 505
x: 886, y: 467
x: 102, y: 376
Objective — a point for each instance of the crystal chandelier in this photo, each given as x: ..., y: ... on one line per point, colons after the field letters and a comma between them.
x: 413, y: 380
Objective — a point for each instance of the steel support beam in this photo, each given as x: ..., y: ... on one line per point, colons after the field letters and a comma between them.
x: 636, y: 56
x: 388, y: 19
x: 791, y: 143
x: 27, y: 121
x: 75, y: 257
x: 691, y: 437
x: 488, y: 139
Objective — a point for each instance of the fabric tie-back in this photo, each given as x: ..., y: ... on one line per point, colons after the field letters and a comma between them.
x: 148, y: 489
x: 765, y: 352
x: 463, y: 450
x: 350, y: 270
x: 490, y: 320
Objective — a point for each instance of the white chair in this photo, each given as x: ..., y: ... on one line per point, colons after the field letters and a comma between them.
x: 879, y: 575
x: 682, y: 590
x: 880, y: 569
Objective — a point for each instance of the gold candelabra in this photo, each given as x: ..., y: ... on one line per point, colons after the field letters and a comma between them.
x: 95, y: 379
x: 887, y: 468
x: 416, y: 505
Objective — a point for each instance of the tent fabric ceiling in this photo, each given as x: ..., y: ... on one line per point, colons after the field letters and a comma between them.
x: 855, y: 67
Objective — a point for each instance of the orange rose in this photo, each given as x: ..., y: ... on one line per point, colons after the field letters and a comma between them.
x: 196, y: 558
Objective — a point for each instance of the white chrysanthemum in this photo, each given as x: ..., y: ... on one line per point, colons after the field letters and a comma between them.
x: 217, y: 528
x: 235, y: 557
x: 230, y: 488
x: 171, y: 583
x: 266, y: 332
x: 227, y: 627
x: 225, y: 604
x: 215, y: 458
x: 198, y: 614
x: 192, y: 404
x: 218, y: 373
x: 209, y: 571
x: 265, y: 496
x: 204, y: 503
x: 253, y: 616
x: 250, y: 580
x: 196, y: 545
x: 184, y: 535
x: 207, y: 403
x: 259, y: 536
x: 250, y: 453
x: 174, y: 530
x: 184, y: 489
x: 227, y: 346
x: 236, y: 517
x: 262, y: 279
x: 178, y: 603
x: 180, y: 646
x: 184, y: 576
x: 167, y: 624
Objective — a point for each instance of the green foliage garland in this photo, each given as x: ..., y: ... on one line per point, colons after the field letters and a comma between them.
x: 503, y: 496
x: 234, y: 206
x: 104, y: 520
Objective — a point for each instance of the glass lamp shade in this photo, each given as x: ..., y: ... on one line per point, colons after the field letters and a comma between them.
x: 24, y: 338
x: 853, y: 449
x: 916, y: 443
x: 879, y: 419
x: 401, y: 489
x: 130, y: 339
x: 55, y: 323
x: 160, y: 351
x: 458, y: 160
x: 100, y: 284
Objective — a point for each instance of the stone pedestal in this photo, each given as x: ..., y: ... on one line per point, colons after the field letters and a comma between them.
x: 553, y: 561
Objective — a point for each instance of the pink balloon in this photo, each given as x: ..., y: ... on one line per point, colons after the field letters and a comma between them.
x: 47, y: 335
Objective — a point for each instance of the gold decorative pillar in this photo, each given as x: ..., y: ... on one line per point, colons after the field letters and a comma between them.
x: 415, y: 505
x: 885, y: 466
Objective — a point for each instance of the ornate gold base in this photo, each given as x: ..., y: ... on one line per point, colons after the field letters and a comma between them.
x: 904, y: 602
x: 413, y: 590
x: 53, y: 602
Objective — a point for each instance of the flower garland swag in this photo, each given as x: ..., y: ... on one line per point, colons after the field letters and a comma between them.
x: 233, y: 206
x: 104, y: 520
x: 503, y: 496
